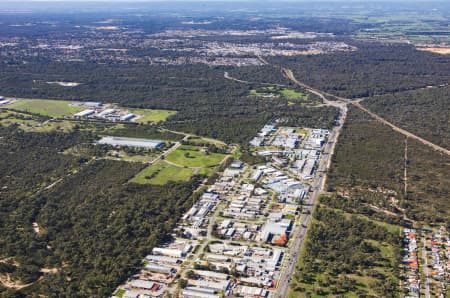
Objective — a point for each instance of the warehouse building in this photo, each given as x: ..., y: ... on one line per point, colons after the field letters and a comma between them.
x: 127, y: 117
x: 131, y: 142
x: 160, y: 269
x: 85, y: 113
x: 3, y: 101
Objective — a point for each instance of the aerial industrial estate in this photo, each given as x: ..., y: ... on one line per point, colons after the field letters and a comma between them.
x: 289, y: 149
x: 84, y: 109
x: 234, y: 240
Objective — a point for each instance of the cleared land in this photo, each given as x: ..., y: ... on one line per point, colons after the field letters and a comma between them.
x: 292, y: 94
x: 179, y: 165
x: 161, y: 173
x: 443, y: 51
x: 191, y: 156
x: 8, y: 118
x: 268, y: 92
x: 203, y: 141
x: 126, y: 156
x: 61, y: 108
x: 152, y: 115
x: 46, y: 107
x: 29, y: 123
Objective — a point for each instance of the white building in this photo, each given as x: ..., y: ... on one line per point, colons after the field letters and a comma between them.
x: 131, y: 142
x: 169, y: 252
x: 85, y: 113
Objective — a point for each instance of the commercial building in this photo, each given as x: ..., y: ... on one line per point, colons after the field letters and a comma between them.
x: 222, y: 285
x: 160, y: 269
x: 127, y: 117
x: 245, y: 291
x: 142, y: 284
x: 106, y: 112
x: 271, y: 229
x: 163, y: 259
x: 168, y: 252
x: 131, y: 294
x: 193, y: 292
x: 237, y: 164
x: 92, y: 104
x: 85, y: 113
x: 131, y: 142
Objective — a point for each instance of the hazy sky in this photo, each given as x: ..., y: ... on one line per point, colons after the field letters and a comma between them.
x: 345, y: 1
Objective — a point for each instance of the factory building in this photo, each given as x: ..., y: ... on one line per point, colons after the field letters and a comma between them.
x: 131, y: 142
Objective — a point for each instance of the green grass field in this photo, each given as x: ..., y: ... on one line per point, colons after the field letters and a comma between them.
x: 120, y: 293
x: 51, y: 108
x: 152, y: 115
x: 292, y: 94
x: 256, y: 93
x: 205, y: 171
x: 283, y: 92
x: 161, y: 172
x: 190, y: 156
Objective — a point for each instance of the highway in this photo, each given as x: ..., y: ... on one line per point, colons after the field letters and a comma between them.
x: 317, y: 186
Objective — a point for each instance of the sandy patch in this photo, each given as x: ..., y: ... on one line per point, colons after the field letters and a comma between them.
x: 5, y: 280
x: 443, y: 51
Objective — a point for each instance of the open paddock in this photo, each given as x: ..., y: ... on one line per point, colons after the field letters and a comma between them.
x: 154, y: 116
x: 191, y: 156
x: 45, y: 107
x: 161, y: 172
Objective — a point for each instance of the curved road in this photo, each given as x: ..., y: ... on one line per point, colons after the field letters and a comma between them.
x: 299, y: 233
x: 289, y: 74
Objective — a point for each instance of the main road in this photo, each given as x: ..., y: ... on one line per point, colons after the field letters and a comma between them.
x: 356, y: 103
x: 299, y: 234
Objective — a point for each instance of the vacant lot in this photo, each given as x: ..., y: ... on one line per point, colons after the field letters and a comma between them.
x: 152, y: 115
x: 443, y: 51
x: 279, y: 92
x: 32, y: 123
x: 8, y: 118
x: 161, y: 173
x: 51, y: 108
x: 191, y: 156
x: 292, y: 94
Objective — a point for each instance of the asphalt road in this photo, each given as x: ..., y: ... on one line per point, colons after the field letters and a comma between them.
x: 425, y: 266
x: 290, y: 75
x: 300, y: 231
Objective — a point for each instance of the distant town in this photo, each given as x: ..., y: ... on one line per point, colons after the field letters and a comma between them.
x: 222, y: 149
x: 175, y: 47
